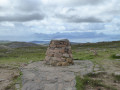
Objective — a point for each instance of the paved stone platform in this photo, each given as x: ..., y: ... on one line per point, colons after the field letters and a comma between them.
x: 38, y: 76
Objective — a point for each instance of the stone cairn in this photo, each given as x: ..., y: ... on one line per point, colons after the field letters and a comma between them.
x: 59, y: 53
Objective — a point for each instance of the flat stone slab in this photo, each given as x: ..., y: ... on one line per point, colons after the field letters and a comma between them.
x: 38, y: 76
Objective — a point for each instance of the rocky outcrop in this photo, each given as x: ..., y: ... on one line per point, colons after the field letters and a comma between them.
x: 59, y: 53
x: 38, y: 76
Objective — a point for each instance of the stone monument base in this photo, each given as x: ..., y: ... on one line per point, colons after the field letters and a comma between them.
x: 59, y: 53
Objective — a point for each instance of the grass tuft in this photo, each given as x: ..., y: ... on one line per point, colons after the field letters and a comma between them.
x: 81, y: 83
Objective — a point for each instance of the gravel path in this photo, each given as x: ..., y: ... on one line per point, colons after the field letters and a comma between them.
x: 37, y: 76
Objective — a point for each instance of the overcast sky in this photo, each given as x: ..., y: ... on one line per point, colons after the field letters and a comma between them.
x: 21, y: 20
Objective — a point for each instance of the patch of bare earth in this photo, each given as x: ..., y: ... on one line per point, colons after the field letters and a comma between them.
x: 7, y: 75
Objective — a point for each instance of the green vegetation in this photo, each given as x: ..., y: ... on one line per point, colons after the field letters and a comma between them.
x: 22, y: 54
x: 98, y: 53
x: 87, y: 82
x: 16, y: 80
x: 116, y: 78
x: 114, y: 56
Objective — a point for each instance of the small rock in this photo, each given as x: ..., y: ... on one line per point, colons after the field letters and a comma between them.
x: 2, y: 80
x: 65, y: 63
x: 17, y: 86
x: 117, y: 73
x: 118, y: 55
x: 66, y: 55
x: 100, y: 72
x: 69, y: 78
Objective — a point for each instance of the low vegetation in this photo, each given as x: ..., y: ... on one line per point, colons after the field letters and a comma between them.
x: 98, y: 53
x: 95, y: 52
x: 86, y: 83
x: 22, y: 55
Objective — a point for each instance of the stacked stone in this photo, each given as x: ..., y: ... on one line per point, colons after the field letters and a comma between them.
x: 59, y: 53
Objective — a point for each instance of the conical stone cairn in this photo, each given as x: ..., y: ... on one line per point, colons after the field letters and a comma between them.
x: 59, y: 53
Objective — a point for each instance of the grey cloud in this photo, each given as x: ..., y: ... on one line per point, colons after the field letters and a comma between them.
x: 77, y: 19
x: 85, y: 2
x: 28, y: 5
x: 22, y: 10
x: 87, y: 19
x: 74, y: 2
x: 2, y: 8
x: 22, y: 18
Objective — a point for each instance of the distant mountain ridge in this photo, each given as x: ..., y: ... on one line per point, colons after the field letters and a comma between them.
x: 46, y: 42
x: 40, y: 42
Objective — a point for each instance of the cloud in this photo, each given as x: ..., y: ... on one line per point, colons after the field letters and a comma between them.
x: 20, y: 10
x: 19, y: 17
x: 22, y: 17
x: 77, y: 19
x: 72, y: 2
x: 27, y: 5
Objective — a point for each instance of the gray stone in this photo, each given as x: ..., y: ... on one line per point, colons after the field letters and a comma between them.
x: 118, y: 55
x: 68, y: 88
x: 117, y: 73
x: 50, y: 87
x: 66, y: 55
x: 60, y: 86
x: 2, y: 80
x: 17, y: 86
x: 38, y: 76
x: 57, y: 52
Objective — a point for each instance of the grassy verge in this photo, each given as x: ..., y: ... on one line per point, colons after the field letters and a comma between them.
x: 87, y: 82
x: 22, y: 55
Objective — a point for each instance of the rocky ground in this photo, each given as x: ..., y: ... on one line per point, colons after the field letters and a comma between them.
x: 7, y: 74
x: 38, y: 76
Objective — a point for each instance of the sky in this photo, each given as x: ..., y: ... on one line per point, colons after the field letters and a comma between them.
x: 77, y: 20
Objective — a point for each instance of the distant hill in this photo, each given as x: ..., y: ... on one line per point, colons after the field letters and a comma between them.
x: 112, y: 44
x: 46, y: 42
x: 4, y: 47
x: 4, y: 41
x: 40, y: 42
x: 8, y: 45
x: 20, y: 44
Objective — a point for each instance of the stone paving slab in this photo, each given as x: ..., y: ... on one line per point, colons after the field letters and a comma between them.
x: 38, y: 76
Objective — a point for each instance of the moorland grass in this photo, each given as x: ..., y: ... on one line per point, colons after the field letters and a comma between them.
x: 23, y: 54
x: 82, y: 83
x: 105, y: 51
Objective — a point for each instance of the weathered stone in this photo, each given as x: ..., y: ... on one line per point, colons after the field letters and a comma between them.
x: 2, y: 80
x: 68, y: 88
x: 50, y: 87
x: 37, y: 76
x: 59, y: 64
x: 69, y: 60
x: 60, y: 87
x: 59, y: 53
x: 117, y: 73
x: 118, y: 55
x: 66, y: 55
x: 65, y: 63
